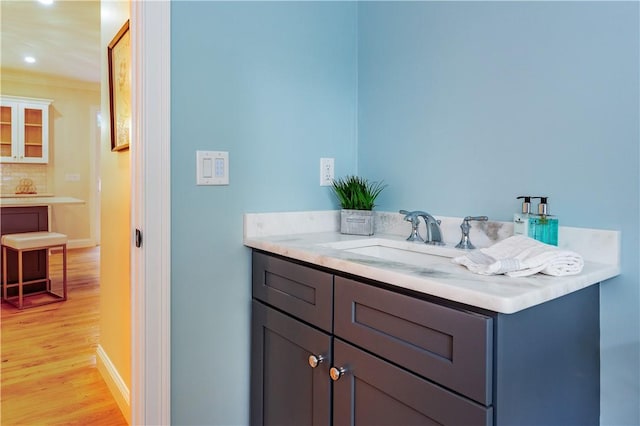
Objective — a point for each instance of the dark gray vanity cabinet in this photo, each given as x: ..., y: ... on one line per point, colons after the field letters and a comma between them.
x: 333, y: 349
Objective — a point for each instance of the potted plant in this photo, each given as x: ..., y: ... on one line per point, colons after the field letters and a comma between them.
x: 357, y: 198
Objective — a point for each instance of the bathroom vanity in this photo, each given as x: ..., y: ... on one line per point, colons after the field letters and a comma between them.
x: 345, y: 338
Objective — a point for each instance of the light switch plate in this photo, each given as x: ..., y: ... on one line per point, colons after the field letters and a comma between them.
x: 212, y: 168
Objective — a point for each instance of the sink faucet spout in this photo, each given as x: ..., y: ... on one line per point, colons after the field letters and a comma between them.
x: 434, y: 233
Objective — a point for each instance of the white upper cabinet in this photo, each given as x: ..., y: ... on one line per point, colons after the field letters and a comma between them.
x: 24, y: 130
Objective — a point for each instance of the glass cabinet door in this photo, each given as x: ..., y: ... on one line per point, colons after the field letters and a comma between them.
x: 8, y: 129
x: 33, y: 135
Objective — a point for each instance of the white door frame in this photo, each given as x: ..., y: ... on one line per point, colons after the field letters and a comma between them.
x: 95, y: 185
x: 151, y: 212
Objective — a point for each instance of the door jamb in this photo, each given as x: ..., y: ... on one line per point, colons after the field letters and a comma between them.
x: 150, y: 212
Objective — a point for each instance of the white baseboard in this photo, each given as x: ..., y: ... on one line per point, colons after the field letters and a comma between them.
x: 114, y: 381
x: 81, y: 243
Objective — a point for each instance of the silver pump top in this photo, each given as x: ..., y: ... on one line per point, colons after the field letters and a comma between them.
x: 526, y: 203
x: 542, y: 207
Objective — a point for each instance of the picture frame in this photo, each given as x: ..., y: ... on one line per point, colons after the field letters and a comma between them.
x: 119, y: 62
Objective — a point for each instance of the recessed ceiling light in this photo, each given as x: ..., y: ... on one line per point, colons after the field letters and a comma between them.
x: 46, y: 2
x: 30, y: 59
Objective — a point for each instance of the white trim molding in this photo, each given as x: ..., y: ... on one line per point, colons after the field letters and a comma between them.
x: 151, y: 213
x: 81, y: 243
x: 114, y: 381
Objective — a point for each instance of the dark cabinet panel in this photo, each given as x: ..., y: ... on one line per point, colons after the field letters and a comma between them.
x: 548, y: 362
x: 285, y: 389
x: 299, y: 290
x: 25, y: 219
x: 375, y: 392
x: 412, y: 361
x: 450, y: 346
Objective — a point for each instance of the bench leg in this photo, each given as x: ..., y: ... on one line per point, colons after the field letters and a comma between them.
x: 64, y: 272
x: 20, y: 281
x: 4, y: 273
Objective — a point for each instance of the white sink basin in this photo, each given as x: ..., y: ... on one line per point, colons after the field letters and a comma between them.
x: 413, y: 253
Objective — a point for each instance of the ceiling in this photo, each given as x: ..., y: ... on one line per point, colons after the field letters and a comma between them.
x: 64, y: 37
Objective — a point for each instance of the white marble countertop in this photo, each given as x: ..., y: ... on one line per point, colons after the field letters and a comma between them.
x: 37, y: 200
x: 437, y: 276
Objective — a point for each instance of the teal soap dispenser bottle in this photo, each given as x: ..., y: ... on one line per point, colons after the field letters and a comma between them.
x: 542, y: 226
x: 521, y: 219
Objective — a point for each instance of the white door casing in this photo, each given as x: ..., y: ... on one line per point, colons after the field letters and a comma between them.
x: 151, y: 213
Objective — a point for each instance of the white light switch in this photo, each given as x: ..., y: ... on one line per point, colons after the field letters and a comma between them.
x: 207, y: 168
x: 212, y: 168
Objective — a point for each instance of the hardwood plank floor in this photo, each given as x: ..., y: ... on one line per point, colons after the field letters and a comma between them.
x: 48, y: 374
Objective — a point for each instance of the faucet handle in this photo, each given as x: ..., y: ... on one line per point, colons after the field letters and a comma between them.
x: 476, y: 218
x: 415, y: 222
x: 465, y: 242
x: 408, y: 215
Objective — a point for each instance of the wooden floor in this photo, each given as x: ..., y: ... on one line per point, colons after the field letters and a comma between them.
x: 48, y: 374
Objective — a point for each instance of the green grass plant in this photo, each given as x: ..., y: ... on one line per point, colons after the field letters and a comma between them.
x: 357, y: 193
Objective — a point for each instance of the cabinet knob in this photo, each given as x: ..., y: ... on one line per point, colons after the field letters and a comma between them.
x: 314, y: 360
x: 336, y: 373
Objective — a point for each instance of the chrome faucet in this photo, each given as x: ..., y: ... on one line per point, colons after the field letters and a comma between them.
x: 465, y: 243
x: 434, y: 234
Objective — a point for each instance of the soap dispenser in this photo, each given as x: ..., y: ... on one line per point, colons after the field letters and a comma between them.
x: 521, y: 219
x: 542, y: 226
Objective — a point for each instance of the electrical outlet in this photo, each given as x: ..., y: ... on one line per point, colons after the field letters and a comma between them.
x: 326, y: 171
x: 72, y: 177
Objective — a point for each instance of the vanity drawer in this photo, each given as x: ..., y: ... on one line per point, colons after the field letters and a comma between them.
x: 300, y: 291
x: 448, y: 346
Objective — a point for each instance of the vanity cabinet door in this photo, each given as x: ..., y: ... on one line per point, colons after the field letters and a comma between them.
x: 285, y: 388
x: 371, y: 391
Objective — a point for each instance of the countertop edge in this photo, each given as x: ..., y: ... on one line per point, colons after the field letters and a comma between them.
x: 38, y: 201
x: 554, y: 287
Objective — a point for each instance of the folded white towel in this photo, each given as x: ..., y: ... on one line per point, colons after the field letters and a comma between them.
x: 521, y: 256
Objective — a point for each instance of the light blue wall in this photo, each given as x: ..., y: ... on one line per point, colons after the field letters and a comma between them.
x: 274, y: 84
x: 458, y: 106
x: 465, y: 105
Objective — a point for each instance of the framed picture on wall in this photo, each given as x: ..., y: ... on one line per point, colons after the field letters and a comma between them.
x: 119, y: 59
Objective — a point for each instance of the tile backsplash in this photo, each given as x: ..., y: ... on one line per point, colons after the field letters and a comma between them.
x: 12, y: 173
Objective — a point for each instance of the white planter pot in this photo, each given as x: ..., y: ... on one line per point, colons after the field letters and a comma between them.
x: 356, y: 222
